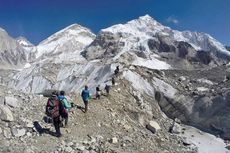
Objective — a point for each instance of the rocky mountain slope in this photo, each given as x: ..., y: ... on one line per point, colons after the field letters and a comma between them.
x: 165, y: 75
x: 145, y: 37
x: 228, y: 48
x: 66, y: 44
x: 116, y: 123
x: 12, y: 54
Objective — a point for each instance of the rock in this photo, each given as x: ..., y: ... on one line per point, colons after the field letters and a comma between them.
x: 127, y: 139
x: 177, y: 120
x: 18, y: 132
x: 202, y: 89
x: 85, y: 151
x: 6, y: 114
x: 153, y: 126
x: 186, y: 141
x: 68, y: 149
x: 11, y: 101
x: 30, y: 124
x: 176, y: 128
x: 114, y: 140
x: 127, y: 127
x: 0, y: 130
x: 70, y: 144
x: 29, y: 134
x: 81, y: 148
x: 7, y: 133
x: 68, y: 131
x: 182, y: 78
x: 228, y: 147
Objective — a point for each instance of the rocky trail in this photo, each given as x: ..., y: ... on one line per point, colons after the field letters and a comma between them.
x: 114, y: 123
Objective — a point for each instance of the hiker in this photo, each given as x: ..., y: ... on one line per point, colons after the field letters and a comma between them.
x: 54, y: 109
x: 66, y: 105
x: 98, y: 92
x: 85, y: 97
x: 116, y: 70
x: 107, y: 88
x: 113, y: 81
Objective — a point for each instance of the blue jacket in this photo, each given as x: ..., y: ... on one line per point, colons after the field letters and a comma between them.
x: 85, y: 95
x: 64, y: 101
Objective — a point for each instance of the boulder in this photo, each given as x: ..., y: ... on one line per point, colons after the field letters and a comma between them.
x: 182, y: 78
x: 11, y: 101
x: 186, y: 141
x: 81, y: 147
x: 18, y: 132
x: 114, y: 140
x: 68, y: 149
x: 6, y: 114
x: 29, y: 124
x: 7, y: 133
x: 153, y: 126
x: 228, y: 147
x: 85, y: 151
x: 176, y: 128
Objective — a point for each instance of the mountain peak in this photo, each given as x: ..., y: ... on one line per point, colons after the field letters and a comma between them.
x: 146, y: 17
x: 72, y: 30
x: 1, y: 29
x: 70, y: 39
x: 74, y: 26
x: 24, y: 42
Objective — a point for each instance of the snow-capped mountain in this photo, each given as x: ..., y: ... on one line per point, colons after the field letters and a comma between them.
x: 148, y: 37
x: 12, y: 54
x: 142, y: 42
x: 29, y: 48
x: 66, y: 44
x: 24, y: 42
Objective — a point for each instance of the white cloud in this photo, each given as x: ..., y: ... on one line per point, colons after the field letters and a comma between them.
x: 172, y: 19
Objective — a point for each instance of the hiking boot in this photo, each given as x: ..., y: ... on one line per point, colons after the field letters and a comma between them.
x: 61, y: 124
x: 58, y: 135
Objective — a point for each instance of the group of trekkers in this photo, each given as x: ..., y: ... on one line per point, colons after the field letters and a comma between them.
x: 57, y: 106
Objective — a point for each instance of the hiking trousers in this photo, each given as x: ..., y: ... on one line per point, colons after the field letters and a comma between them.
x: 56, y: 122
x: 86, y: 105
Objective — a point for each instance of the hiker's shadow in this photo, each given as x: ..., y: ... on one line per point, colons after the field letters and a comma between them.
x: 42, y: 130
x: 81, y: 108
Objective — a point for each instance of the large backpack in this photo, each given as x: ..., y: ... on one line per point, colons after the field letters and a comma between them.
x: 52, y: 108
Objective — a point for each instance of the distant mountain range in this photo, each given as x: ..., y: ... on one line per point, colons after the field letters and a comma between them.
x: 143, y: 38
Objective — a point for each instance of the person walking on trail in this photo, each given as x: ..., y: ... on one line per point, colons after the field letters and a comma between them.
x: 54, y: 109
x: 113, y: 81
x: 107, y: 89
x: 67, y: 106
x: 98, y: 92
x: 85, y: 97
x: 116, y: 71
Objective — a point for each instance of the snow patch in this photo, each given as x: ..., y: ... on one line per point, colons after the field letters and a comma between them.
x: 206, y: 143
x: 27, y: 65
x: 205, y: 81
x: 202, y: 89
x: 152, y: 63
x: 164, y: 87
x: 138, y: 82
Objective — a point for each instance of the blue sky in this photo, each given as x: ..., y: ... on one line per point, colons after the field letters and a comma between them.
x: 38, y: 19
